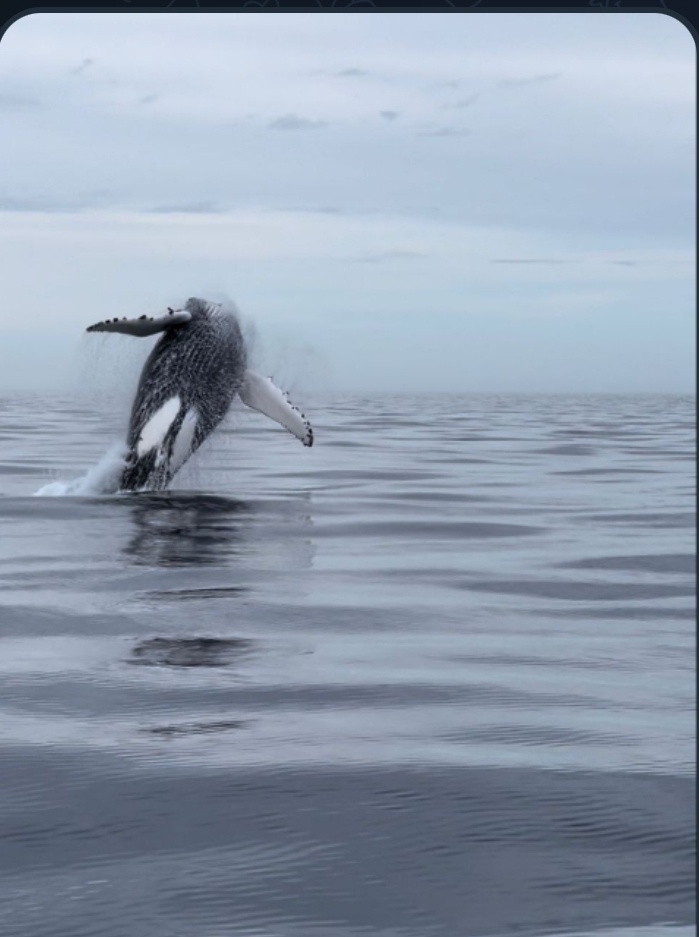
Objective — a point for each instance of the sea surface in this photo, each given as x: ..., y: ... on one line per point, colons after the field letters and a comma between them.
x: 434, y: 677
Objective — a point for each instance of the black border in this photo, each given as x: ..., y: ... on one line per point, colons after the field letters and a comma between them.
x: 686, y: 11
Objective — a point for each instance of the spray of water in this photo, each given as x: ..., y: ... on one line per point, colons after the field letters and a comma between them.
x: 101, y: 479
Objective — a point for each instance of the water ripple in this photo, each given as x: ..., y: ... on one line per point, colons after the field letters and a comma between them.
x: 437, y: 679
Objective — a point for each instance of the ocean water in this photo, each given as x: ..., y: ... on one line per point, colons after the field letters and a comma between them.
x: 432, y: 678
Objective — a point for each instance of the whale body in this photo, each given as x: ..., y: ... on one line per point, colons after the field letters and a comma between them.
x: 187, y: 386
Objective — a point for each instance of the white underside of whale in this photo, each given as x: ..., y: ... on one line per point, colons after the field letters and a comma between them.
x: 155, y: 430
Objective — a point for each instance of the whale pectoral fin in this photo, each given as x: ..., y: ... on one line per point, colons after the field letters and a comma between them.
x: 144, y: 325
x: 260, y: 393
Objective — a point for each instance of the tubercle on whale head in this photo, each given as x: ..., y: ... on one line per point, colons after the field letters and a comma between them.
x: 196, y: 305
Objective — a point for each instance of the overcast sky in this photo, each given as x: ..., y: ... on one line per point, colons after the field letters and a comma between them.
x: 429, y: 201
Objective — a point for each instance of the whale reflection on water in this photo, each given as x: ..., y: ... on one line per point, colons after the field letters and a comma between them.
x: 184, y: 529
x: 205, y: 550
x: 190, y: 652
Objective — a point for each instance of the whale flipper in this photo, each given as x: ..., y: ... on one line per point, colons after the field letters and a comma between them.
x: 143, y: 325
x: 260, y: 393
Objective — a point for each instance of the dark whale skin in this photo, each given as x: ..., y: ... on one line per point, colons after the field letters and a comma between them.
x: 202, y: 362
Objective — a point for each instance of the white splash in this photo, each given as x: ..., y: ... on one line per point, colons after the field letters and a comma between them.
x: 101, y: 479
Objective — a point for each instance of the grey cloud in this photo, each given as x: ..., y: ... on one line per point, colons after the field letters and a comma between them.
x: 379, y: 257
x: 534, y: 80
x: 444, y: 132
x: 40, y: 203
x: 352, y: 73
x: 148, y: 98
x: 624, y: 263
x: 21, y: 204
x: 79, y: 201
x: 467, y: 102
x: 12, y: 102
x: 461, y: 103
x: 389, y: 115
x: 536, y: 260
x: 292, y: 122
x: 85, y: 64
x: 203, y: 207
x: 96, y: 196
x: 308, y: 209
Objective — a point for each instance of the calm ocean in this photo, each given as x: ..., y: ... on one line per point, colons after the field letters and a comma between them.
x: 434, y: 677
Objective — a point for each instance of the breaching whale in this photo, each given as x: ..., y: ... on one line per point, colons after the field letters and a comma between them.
x: 186, y: 387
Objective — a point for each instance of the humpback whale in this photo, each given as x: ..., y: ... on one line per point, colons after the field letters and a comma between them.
x: 187, y: 386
